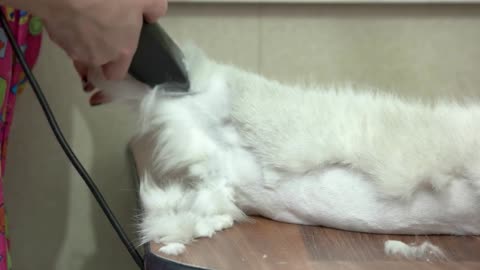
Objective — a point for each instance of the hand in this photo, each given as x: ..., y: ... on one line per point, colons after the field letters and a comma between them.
x: 97, y: 96
x: 99, y: 33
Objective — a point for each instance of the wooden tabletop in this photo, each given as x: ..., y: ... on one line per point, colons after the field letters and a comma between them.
x: 264, y: 244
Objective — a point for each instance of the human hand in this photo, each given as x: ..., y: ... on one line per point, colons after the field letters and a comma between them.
x: 99, y: 34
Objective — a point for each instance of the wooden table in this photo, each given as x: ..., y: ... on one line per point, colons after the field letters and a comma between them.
x: 265, y: 244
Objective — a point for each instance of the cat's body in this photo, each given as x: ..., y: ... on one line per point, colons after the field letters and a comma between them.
x: 335, y: 157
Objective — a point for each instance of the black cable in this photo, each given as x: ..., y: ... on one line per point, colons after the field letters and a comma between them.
x: 66, y: 147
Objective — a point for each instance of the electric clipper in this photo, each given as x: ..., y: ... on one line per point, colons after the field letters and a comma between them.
x: 159, y: 61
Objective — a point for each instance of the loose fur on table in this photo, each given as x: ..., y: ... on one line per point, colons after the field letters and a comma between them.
x: 412, y: 251
x: 239, y: 144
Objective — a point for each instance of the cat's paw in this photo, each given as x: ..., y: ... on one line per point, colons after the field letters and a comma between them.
x: 204, y: 227
x: 173, y: 249
x: 207, y: 226
x: 174, y: 215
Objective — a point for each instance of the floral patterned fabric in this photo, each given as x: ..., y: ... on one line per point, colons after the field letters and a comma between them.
x: 27, y: 30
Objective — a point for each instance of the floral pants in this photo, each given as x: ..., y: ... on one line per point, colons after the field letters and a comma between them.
x: 27, y: 30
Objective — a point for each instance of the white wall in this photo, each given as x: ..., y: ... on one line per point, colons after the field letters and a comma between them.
x: 54, y: 222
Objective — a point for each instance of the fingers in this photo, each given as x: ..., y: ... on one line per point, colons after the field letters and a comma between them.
x: 115, y: 66
x: 117, y: 69
x: 99, y: 98
x: 155, y: 10
x: 82, y: 70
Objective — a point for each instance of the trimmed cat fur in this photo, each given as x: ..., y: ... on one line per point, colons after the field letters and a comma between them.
x: 239, y: 144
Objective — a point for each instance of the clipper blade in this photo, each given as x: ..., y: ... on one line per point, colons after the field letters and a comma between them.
x: 159, y: 61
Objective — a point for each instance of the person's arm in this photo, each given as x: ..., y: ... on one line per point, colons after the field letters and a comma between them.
x: 95, y: 33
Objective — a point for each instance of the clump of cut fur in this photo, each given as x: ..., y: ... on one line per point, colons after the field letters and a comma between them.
x: 424, y: 251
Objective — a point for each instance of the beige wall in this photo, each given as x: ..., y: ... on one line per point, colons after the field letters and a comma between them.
x: 55, y: 224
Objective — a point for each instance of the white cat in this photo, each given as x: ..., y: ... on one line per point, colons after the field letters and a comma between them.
x: 240, y: 144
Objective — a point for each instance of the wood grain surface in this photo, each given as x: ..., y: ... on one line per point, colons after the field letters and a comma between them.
x: 264, y: 244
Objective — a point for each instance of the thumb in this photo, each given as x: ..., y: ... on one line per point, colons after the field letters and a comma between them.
x: 155, y: 9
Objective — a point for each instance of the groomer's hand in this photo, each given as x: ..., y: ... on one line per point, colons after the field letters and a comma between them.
x: 99, y: 33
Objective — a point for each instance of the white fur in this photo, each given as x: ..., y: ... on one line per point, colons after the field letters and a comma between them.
x: 347, y: 158
x: 173, y: 249
x: 425, y: 250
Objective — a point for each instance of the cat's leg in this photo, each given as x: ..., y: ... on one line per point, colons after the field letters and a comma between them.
x: 162, y: 221
x: 175, y: 216
x: 202, y: 201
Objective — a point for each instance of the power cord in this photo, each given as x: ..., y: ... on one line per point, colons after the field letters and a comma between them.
x: 66, y: 147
